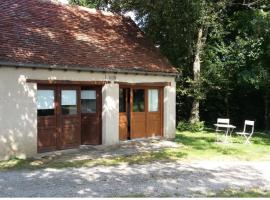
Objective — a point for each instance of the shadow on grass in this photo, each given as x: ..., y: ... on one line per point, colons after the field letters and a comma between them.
x: 252, y: 193
x: 205, y: 141
x: 56, y: 163
x: 194, y: 145
x: 203, y: 145
x: 261, y: 138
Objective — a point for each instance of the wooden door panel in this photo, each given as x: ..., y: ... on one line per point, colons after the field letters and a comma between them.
x: 69, y: 120
x: 154, y: 124
x: 154, y: 117
x: 46, y: 122
x: 123, y: 126
x: 69, y: 136
x: 138, y: 125
x: 91, y: 130
x: 91, y: 122
x: 124, y: 106
x: 46, y: 139
x: 138, y: 115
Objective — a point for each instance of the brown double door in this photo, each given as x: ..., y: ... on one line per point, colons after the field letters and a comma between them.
x: 65, y: 116
x: 143, y: 113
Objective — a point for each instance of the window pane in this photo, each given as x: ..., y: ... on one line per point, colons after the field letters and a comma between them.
x: 122, y: 100
x: 88, y: 101
x: 69, y: 102
x: 68, y: 97
x: 138, y: 100
x: 153, y: 100
x: 45, y: 102
x: 88, y: 94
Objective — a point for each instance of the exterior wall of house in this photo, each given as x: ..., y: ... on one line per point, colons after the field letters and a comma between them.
x: 169, y: 111
x: 18, y: 115
x: 18, y: 110
x: 110, y: 114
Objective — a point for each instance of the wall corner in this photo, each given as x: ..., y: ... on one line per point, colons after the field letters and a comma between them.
x: 170, y: 111
x: 110, y: 114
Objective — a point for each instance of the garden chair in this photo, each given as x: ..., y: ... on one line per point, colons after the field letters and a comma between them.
x: 245, y: 133
x: 222, y: 121
x: 219, y: 129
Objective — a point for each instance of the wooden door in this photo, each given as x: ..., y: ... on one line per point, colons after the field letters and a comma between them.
x: 69, y: 125
x: 138, y: 113
x: 46, y: 123
x: 154, y: 113
x: 91, y: 110
x: 123, y: 114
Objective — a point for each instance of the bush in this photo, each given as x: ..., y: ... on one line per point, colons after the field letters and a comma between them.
x: 186, y: 126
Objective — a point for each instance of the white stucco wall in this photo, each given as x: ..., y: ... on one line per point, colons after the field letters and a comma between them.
x: 18, y: 111
x: 110, y: 114
x: 169, y: 111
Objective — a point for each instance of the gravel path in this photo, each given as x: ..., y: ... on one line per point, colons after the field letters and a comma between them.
x: 183, y: 179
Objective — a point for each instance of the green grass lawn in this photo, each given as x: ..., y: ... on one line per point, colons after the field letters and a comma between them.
x: 203, y: 145
x: 251, y: 193
x: 193, y: 146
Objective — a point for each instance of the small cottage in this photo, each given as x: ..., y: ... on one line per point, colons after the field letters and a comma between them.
x: 72, y: 76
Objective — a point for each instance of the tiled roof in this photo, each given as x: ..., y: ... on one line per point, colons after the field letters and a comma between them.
x: 45, y: 33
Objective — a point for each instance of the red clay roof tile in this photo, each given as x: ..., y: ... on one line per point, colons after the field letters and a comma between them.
x: 41, y: 32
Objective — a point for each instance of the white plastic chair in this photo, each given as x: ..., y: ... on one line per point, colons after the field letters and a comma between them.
x: 221, y: 121
x: 246, y: 134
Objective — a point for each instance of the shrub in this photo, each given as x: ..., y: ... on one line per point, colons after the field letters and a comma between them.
x: 186, y: 126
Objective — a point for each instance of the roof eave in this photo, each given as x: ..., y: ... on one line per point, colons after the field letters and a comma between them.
x: 87, y: 69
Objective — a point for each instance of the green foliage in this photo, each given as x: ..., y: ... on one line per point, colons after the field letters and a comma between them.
x: 235, y: 62
x: 235, y: 52
x: 193, y: 127
x: 234, y: 57
x: 99, y: 4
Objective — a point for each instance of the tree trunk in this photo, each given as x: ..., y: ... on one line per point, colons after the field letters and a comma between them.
x: 266, y: 113
x: 195, y: 109
x: 195, y: 112
x: 227, y: 105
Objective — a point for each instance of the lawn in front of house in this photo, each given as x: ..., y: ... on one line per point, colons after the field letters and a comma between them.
x: 193, y: 146
x: 203, y: 145
x: 240, y: 193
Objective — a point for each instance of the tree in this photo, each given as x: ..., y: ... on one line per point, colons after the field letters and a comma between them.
x: 238, y: 55
x: 180, y: 29
x: 218, y: 45
x: 99, y: 4
x: 207, y: 17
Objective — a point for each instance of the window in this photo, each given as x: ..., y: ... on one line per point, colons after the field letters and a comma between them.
x: 138, y: 100
x: 153, y: 100
x: 45, y: 102
x: 69, y: 102
x: 88, y: 101
x: 122, y: 100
